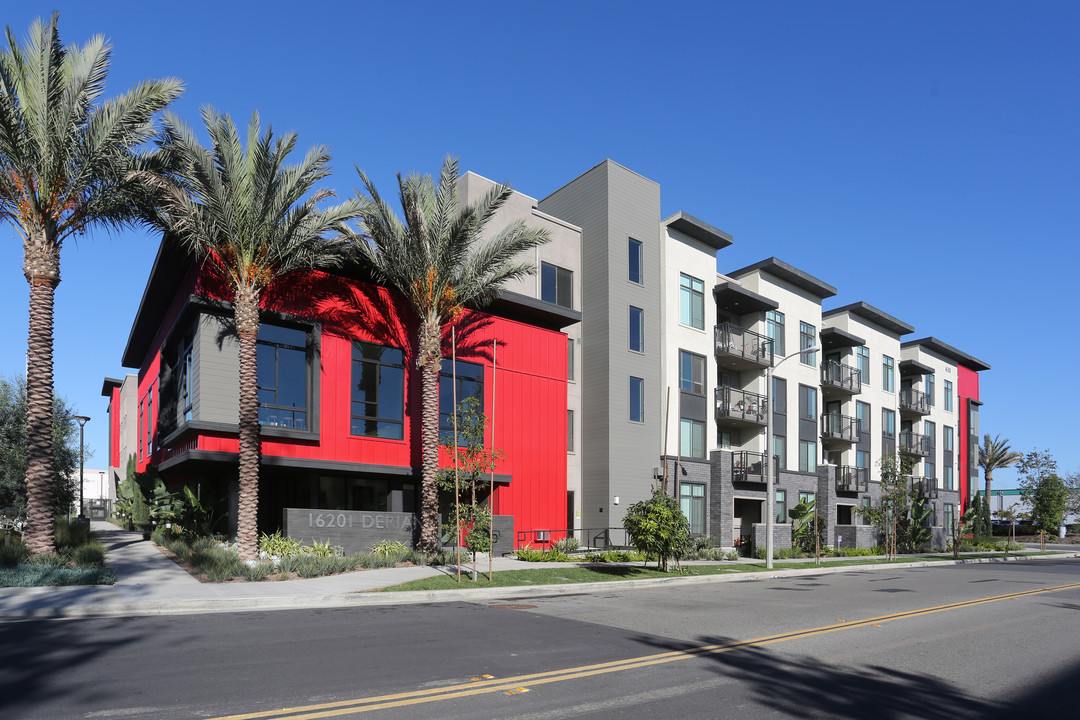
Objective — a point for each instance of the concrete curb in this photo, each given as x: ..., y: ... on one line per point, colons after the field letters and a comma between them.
x: 191, y: 606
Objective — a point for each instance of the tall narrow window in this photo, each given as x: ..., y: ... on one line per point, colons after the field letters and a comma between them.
x: 948, y: 477
x: 281, y: 358
x: 378, y: 391
x: 556, y: 285
x: 692, y: 503
x: 888, y: 422
x: 149, y: 420
x: 888, y: 383
x: 569, y: 431
x: 637, y: 399
x: 691, y: 438
x: 807, y: 402
x: 637, y: 329
x: 947, y: 438
x: 862, y: 416
x: 774, y: 329
x: 862, y: 362
x: 691, y: 373
x: 637, y: 272
x: 807, y: 339
x: 929, y: 383
x: 185, y: 382
x: 807, y: 456
x: 948, y: 399
x: 691, y: 301
x: 779, y: 451
x: 569, y: 358
x: 862, y: 459
x: 930, y: 432
x: 947, y: 511
x: 470, y: 384
x: 781, y: 506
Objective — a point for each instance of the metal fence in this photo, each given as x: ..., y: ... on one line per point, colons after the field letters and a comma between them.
x: 607, y: 538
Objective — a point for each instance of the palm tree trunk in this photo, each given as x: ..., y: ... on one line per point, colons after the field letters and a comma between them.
x: 429, y: 361
x: 246, y: 309
x: 989, y: 478
x: 42, y: 270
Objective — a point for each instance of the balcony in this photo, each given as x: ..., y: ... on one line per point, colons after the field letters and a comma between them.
x: 914, y: 444
x: 739, y: 408
x: 840, y: 379
x: 740, y: 349
x: 924, y: 487
x: 913, y: 402
x: 748, y: 466
x: 842, y: 428
x: 852, y: 479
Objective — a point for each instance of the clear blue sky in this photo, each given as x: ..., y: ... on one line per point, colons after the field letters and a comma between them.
x: 920, y: 156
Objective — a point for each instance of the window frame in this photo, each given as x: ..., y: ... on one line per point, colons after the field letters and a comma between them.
x: 775, y: 328
x: 807, y: 339
x: 888, y: 373
x: 695, y: 502
x: 380, y: 366
x: 780, y: 506
x: 637, y: 338
x: 563, y: 279
x: 947, y: 390
x: 862, y: 363
x: 570, y: 430
x: 640, y: 397
x: 808, y: 456
x: 635, y: 253
x: 276, y: 407
x: 691, y: 301
x: 888, y: 423
x: 697, y: 363
x: 446, y: 430
x: 690, y: 441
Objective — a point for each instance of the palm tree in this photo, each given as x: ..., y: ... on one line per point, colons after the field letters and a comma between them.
x: 247, y: 216
x: 440, y: 260
x: 995, y: 454
x: 64, y: 167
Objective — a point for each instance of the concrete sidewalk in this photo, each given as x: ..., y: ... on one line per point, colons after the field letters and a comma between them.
x: 149, y: 583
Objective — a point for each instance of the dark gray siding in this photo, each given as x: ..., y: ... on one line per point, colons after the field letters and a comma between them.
x: 217, y: 372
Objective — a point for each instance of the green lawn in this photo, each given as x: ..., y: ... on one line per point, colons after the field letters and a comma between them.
x: 606, y: 573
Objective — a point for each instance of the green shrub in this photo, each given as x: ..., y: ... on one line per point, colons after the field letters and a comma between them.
x: 855, y: 552
x: 615, y: 556
x: 387, y: 559
x: 784, y: 553
x: 709, y: 553
x: 322, y: 549
x: 70, y: 534
x: 530, y: 554
x: 279, y: 546
x: 37, y: 575
x: 90, y: 554
x: 217, y: 563
x: 389, y: 547
x: 13, y: 554
x: 658, y: 527
x: 567, y: 545
x: 51, y: 559
x: 257, y: 571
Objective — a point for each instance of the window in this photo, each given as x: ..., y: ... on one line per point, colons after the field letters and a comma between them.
x: 929, y: 430
x: 556, y: 285
x: 862, y: 416
x: 692, y: 502
x: 470, y: 384
x: 862, y: 362
x: 691, y: 373
x: 807, y: 403
x: 781, y: 506
x: 888, y: 422
x: 569, y: 431
x: 948, y: 477
x: 691, y: 301
x: 149, y: 420
x: 947, y: 438
x: 186, y: 382
x: 637, y: 399
x: 691, y: 438
x: 888, y: 383
x: 865, y: 505
x: 723, y: 439
x: 807, y: 456
x: 807, y: 338
x: 281, y: 357
x: 947, y: 511
x: 637, y: 329
x: 806, y: 497
x: 779, y: 451
x: 142, y: 424
x: 948, y: 395
x: 862, y: 459
x: 378, y: 391
x: 637, y: 271
x: 774, y: 329
x: 929, y: 382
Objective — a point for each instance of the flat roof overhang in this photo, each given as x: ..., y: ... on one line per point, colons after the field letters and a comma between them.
x: 833, y: 338
x: 942, y: 348
x: 699, y: 230
x: 914, y: 367
x: 799, y: 278
x: 868, y: 312
x: 739, y: 301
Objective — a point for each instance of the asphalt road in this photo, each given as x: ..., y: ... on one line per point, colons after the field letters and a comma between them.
x: 980, y: 641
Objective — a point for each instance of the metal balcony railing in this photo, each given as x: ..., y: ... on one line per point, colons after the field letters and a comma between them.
x: 852, y: 479
x: 924, y: 487
x: 914, y: 444
x: 735, y: 404
x: 835, y: 426
x: 747, y: 466
x: 839, y: 376
x: 738, y: 343
x: 914, y: 401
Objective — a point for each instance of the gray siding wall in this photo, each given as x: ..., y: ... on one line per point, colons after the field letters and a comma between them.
x: 217, y: 370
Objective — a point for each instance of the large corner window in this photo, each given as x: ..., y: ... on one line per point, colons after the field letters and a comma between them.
x: 807, y: 339
x: 637, y: 272
x: 691, y: 301
x: 281, y: 354
x: 556, y: 285
x: 470, y: 384
x: 774, y: 329
x: 378, y: 391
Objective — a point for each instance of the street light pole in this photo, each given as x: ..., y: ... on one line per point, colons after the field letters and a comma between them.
x: 770, y: 492
x: 82, y: 420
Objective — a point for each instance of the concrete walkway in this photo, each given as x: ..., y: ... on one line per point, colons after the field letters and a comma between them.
x: 149, y: 583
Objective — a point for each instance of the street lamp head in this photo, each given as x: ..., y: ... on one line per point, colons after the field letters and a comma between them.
x: 82, y: 419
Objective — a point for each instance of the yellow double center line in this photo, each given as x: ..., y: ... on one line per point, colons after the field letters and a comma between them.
x: 450, y: 692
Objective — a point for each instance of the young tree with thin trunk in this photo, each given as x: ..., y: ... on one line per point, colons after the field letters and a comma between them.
x: 440, y: 258
x: 253, y: 220
x: 65, y: 166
